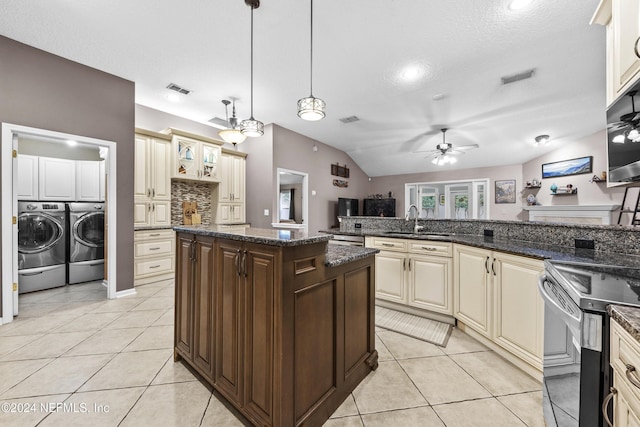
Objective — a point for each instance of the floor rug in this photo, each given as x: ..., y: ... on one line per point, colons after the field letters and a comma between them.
x: 414, y: 326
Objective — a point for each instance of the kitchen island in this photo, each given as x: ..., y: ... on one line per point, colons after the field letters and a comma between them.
x: 275, y: 320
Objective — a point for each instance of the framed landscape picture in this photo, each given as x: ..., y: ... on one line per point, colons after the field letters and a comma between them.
x: 567, y: 167
x: 506, y: 191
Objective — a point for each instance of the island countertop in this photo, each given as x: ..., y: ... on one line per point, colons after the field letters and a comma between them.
x: 265, y: 236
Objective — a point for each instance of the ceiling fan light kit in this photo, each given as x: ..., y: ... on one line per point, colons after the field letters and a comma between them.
x: 251, y: 127
x: 445, y: 151
x: 311, y: 108
x: 630, y: 122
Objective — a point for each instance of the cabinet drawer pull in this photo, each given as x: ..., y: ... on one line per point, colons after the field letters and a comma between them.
x: 605, y: 403
x: 635, y: 47
x: 630, y: 376
x: 429, y: 248
x: 155, y: 266
x: 154, y: 234
x: 389, y: 245
x: 154, y: 249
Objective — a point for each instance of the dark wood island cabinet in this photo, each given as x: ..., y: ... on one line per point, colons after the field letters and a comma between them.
x: 278, y: 323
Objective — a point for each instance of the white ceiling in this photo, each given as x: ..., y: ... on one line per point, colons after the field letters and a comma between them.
x: 361, y: 47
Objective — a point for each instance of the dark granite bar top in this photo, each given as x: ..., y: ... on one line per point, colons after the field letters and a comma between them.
x: 273, y: 237
x: 627, y: 317
x: 516, y: 247
x: 338, y: 254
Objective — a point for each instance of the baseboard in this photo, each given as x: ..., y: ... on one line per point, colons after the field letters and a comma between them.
x: 125, y: 293
x: 154, y: 279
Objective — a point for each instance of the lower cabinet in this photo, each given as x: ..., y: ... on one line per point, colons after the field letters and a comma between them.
x: 625, y: 361
x: 282, y: 337
x: 496, y: 295
x: 153, y: 255
x: 416, y: 273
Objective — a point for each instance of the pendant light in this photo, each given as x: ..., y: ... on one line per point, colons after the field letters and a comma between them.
x: 311, y: 108
x: 233, y: 134
x: 252, y: 127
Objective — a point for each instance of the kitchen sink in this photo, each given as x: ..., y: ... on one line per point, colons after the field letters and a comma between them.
x: 421, y: 234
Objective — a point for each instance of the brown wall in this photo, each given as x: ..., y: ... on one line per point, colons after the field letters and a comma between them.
x: 41, y: 90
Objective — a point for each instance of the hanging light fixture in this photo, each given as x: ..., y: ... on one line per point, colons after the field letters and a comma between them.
x: 311, y: 108
x: 233, y: 134
x: 252, y: 127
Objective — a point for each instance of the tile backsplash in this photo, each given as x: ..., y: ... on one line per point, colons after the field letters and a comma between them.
x: 190, y: 191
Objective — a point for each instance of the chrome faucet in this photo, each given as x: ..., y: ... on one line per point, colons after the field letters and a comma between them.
x: 416, y: 227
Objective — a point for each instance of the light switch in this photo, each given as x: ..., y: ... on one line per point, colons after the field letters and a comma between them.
x: 266, y: 212
x: 313, y: 192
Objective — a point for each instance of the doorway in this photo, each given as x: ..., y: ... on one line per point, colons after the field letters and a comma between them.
x: 291, y: 200
x: 10, y: 135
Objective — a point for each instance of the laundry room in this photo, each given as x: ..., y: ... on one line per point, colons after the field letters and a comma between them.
x: 60, y: 189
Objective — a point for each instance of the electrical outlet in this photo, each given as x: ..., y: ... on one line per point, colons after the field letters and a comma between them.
x: 488, y: 233
x: 266, y: 212
x: 585, y: 244
x: 358, y: 225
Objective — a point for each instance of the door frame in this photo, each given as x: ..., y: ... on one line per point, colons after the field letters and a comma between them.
x: 9, y: 209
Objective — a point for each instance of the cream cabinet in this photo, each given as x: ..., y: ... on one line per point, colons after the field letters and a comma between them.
x: 152, y: 184
x: 622, y: 19
x: 416, y: 273
x: 154, y: 254
x: 519, y: 308
x: 27, y: 177
x: 625, y: 361
x: 496, y: 294
x: 472, y: 289
x: 56, y: 179
x: 230, y: 192
x: 195, y: 159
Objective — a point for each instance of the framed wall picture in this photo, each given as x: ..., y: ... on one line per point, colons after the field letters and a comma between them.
x: 506, y: 191
x: 567, y: 167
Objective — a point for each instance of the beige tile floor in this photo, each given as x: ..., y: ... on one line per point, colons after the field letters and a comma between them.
x: 73, y: 358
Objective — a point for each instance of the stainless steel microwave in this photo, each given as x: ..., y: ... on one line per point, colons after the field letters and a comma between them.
x: 623, y: 137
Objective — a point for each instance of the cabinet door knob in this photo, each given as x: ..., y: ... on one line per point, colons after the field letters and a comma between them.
x: 635, y: 47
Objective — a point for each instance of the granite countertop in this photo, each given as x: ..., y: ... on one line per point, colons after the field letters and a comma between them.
x: 338, y: 254
x: 627, y: 317
x: 512, y: 246
x: 265, y: 236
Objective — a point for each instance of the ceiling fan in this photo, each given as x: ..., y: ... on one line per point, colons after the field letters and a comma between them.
x: 445, y: 151
x: 629, y: 122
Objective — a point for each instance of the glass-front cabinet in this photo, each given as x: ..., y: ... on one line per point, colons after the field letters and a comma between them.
x: 195, y: 159
x: 449, y: 199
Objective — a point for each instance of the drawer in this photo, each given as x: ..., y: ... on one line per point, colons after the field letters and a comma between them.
x: 625, y: 350
x: 153, y: 266
x: 154, y: 234
x: 387, y: 244
x: 428, y: 247
x: 153, y: 247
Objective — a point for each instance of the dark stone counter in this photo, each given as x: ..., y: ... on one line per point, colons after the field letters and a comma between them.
x: 264, y: 236
x: 627, y: 317
x: 338, y: 255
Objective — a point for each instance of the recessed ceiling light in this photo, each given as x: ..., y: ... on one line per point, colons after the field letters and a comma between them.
x: 72, y: 143
x: 173, y: 97
x: 541, y: 140
x: 519, y: 4
x: 438, y: 96
x: 411, y: 73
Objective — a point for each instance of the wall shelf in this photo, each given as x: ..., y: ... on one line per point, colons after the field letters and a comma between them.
x: 573, y: 192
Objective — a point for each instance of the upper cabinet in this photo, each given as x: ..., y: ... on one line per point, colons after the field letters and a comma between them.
x: 27, y: 177
x: 231, y: 190
x: 152, y: 183
x: 56, y: 179
x: 622, y: 19
x: 195, y: 158
x: 88, y: 181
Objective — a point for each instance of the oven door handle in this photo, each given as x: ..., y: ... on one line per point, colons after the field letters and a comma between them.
x: 571, y: 320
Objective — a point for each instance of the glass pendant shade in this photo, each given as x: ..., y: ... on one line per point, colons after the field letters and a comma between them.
x: 232, y: 136
x: 311, y: 108
x: 252, y: 127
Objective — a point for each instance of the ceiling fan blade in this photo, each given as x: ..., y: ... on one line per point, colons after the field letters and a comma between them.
x: 465, y: 147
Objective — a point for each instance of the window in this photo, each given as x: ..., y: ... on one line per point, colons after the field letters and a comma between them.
x: 449, y: 199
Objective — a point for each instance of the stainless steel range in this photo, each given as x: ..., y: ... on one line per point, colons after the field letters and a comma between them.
x: 577, y: 375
